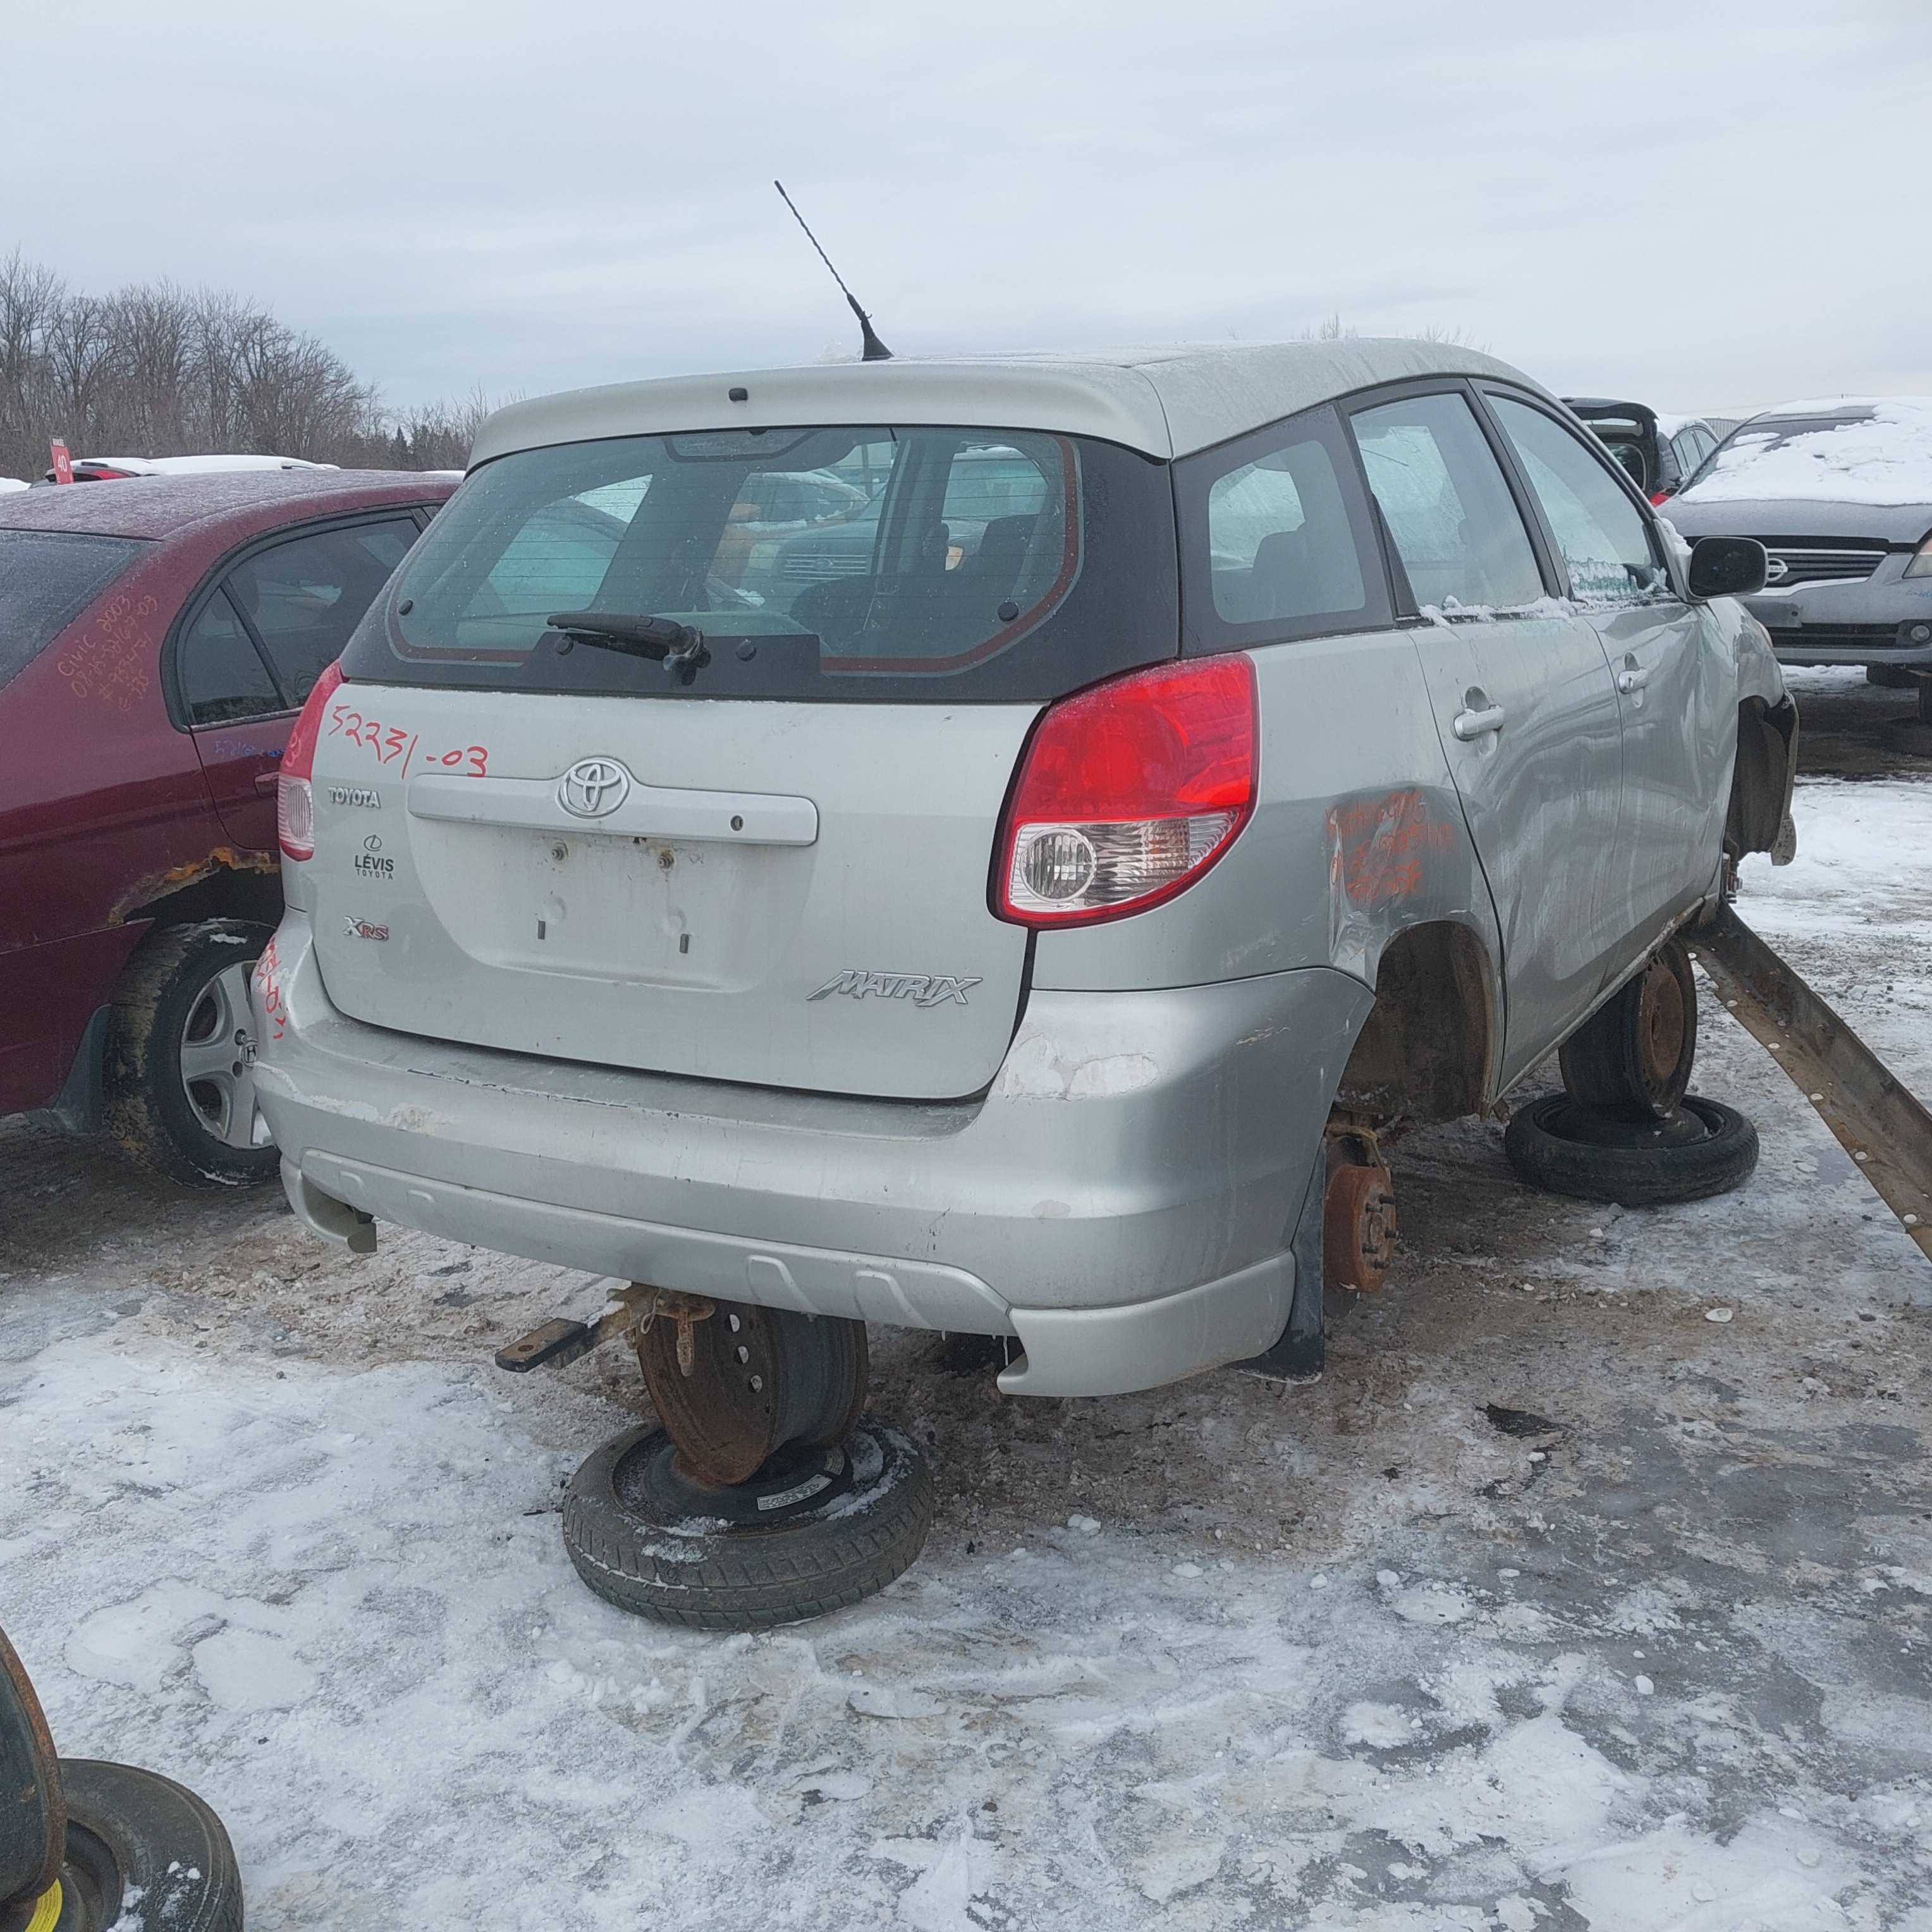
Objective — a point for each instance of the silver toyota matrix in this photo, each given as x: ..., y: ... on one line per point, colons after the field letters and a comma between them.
x: 981, y: 845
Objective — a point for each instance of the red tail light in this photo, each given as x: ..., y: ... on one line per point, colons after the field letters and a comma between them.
x: 295, y: 802
x: 1128, y: 793
x: 1660, y: 495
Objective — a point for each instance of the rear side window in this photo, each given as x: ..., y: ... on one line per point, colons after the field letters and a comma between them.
x: 1276, y: 538
x: 223, y: 676
x: 1450, y: 513
x: 853, y: 564
x: 304, y: 599
x: 1603, y: 539
x: 47, y: 578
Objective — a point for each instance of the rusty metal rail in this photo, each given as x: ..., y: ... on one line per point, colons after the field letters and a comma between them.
x: 1883, y: 1128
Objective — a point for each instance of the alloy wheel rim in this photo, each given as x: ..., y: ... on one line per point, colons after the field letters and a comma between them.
x: 218, y: 1057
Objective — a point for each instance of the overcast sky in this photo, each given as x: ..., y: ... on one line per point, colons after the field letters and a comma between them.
x: 1699, y: 205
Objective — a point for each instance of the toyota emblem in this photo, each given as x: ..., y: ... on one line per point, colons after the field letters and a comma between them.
x: 593, y: 788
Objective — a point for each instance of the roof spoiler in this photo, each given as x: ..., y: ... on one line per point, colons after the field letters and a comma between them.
x: 1592, y: 408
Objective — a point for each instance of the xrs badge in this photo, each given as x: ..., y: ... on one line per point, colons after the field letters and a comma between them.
x: 361, y: 928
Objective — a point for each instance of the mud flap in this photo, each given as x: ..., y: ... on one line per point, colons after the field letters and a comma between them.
x: 76, y: 1109
x: 1301, y: 1352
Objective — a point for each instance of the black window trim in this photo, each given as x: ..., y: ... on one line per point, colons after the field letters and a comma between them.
x: 1194, y: 476
x: 213, y: 582
x: 1549, y: 563
x: 1659, y: 553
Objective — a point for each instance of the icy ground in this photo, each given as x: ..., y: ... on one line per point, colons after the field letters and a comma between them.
x: 1222, y: 1656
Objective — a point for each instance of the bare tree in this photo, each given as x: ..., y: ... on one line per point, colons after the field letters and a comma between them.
x: 156, y: 369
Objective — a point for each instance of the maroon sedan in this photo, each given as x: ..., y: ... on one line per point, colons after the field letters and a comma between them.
x: 157, y: 637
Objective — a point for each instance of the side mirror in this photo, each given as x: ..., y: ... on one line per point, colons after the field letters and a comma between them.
x: 1727, y: 567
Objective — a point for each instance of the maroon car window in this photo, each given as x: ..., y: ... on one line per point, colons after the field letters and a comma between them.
x: 47, y: 578
x: 222, y: 673
x: 303, y: 597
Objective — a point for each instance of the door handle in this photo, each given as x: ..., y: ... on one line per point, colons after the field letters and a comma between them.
x: 1470, y: 725
x: 1633, y: 677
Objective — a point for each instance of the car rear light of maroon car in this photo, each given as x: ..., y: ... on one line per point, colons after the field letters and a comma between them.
x: 1129, y: 791
x: 294, y: 798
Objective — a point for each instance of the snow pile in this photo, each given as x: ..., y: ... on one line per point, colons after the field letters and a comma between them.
x: 1885, y: 460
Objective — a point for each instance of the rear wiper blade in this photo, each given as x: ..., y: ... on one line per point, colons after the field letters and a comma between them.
x: 681, y: 648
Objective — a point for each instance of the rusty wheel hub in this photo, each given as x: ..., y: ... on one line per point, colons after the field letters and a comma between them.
x: 1659, y: 1040
x: 732, y: 1384
x: 1358, y: 1226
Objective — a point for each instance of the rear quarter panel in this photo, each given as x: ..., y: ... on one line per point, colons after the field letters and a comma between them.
x: 1358, y: 834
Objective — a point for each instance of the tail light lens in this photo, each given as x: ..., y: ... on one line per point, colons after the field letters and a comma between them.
x: 1660, y: 496
x: 294, y: 798
x: 1128, y: 793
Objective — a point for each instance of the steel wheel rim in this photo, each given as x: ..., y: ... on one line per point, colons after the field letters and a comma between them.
x: 216, y: 1057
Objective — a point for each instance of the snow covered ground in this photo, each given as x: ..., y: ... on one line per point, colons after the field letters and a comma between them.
x: 1223, y: 1656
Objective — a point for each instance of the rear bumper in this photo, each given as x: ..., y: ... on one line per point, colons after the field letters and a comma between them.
x: 1119, y: 1199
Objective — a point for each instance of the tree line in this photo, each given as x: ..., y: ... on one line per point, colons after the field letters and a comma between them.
x: 156, y: 369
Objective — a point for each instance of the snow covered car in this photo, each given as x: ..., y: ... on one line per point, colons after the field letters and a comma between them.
x: 108, y: 468
x: 1839, y: 493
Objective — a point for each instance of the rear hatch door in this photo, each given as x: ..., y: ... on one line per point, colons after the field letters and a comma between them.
x: 771, y: 867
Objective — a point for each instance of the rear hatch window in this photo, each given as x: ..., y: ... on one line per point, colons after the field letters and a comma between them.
x: 873, y: 565
x: 47, y: 578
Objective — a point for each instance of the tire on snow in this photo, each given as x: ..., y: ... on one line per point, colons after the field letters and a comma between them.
x: 149, y: 1114
x: 1559, y: 1144
x: 135, y: 1835
x: 813, y: 1532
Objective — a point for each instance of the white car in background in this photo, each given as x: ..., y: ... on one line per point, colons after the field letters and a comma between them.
x: 103, y: 469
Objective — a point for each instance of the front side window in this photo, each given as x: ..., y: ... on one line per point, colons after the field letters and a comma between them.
x: 1603, y: 538
x: 303, y: 598
x: 1449, y: 511
x: 842, y: 563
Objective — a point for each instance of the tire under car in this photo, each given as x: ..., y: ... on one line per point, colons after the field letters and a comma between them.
x: 816, y: 1530
x: 1568, y: 1147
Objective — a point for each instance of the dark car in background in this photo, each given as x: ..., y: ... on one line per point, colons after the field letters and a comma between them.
x: 1661, y: 453
x: 1839, y: 491
x: 157, y: 638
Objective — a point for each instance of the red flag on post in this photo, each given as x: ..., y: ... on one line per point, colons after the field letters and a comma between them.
x: 63, y: 462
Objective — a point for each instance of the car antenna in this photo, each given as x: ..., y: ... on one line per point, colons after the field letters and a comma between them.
x: 873, y: 349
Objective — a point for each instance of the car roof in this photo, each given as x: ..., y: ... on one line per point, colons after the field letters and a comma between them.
x: 1166, y: 402
x: 1856, y: 409
x: 196, y: 465
x: 167, y: 506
